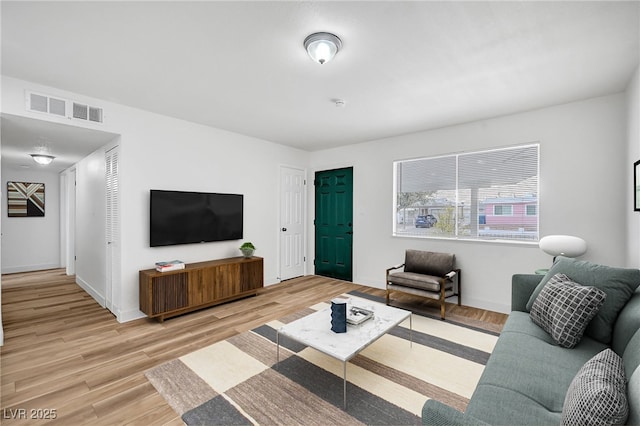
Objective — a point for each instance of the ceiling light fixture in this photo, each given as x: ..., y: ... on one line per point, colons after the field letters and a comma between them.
x: 42, y: 159
x: 322, y: 47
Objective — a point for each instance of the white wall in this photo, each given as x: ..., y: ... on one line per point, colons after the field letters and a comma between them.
x: 633, y: 150
x: 159, y: 152
x: 583, y: 162
x: 163, y: 153
x: 582, y: 150
x: 31, y: 243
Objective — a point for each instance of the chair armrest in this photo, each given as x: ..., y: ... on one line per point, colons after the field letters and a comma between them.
x: 395, y: 267
x: 438, y: 414
x: 522, y: 286
x: 451, y: 274
x: 391, y: 269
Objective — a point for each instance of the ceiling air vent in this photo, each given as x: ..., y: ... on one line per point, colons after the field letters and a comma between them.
x: 86, y: 112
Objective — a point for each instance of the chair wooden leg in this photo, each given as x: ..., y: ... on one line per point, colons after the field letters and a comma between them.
x: 442, y: 294
x: 387, y: 295
x: 459, y: 289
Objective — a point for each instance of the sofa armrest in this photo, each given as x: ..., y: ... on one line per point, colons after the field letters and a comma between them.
x: 438, y: 414
x: 522, y: 286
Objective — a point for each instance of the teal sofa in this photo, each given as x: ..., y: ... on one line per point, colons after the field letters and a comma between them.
x: 527, y: 376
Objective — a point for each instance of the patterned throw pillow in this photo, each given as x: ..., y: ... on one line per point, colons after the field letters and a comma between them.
x: 564, y: 308
x: 597, y: 395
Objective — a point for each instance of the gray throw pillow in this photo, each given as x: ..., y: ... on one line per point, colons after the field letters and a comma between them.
x: 618, y: 283
x: 564, y: 308
x: 597, y: 395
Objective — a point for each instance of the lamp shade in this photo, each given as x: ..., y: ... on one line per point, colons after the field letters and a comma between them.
x: 563, y: 245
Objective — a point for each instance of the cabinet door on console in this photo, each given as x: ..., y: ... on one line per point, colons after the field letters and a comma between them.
x: 169, y: 292
x: 201, y: 288
x: 227, y: 280
x: 251, y: 275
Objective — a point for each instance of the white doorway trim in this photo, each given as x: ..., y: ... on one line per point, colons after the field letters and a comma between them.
x: 68, y: 215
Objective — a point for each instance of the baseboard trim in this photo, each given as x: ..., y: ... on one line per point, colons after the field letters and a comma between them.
x: 29, y: 268
x: 126, y: 316
x: 92, y: 292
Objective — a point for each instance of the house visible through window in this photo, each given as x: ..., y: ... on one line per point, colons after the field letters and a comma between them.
x: 486, y: 195
x: 502, y: 210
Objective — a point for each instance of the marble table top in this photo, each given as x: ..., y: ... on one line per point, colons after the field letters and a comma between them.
x: 314, y: 330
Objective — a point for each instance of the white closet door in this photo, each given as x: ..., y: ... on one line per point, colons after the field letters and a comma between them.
x: 113, y: 227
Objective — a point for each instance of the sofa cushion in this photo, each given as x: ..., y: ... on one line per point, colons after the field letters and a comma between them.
x: 512, y: 389
x: 627, y: 324
x: 564, y: 308
x: 618, y: 283
x: 597, y: 395
x: 428, y: 262
x: 631, y: 360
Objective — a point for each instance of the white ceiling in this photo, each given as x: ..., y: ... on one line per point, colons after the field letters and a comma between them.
x: 22, y: 136
x: 404, y: 66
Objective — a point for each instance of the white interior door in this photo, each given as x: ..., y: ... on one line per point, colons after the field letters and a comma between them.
x: 292, y: 221
x: 112, y: 226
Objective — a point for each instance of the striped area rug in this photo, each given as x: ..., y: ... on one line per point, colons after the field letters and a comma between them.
x: 235, y: 381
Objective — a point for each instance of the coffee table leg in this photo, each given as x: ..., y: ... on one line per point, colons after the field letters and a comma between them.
x: 344, y: 384
x: 277, y: 348
x: 411, y: 330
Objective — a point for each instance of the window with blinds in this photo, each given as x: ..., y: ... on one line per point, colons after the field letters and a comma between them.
x: 485, y: 195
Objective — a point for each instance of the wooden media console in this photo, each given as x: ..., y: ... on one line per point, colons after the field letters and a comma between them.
x: 199, y: 285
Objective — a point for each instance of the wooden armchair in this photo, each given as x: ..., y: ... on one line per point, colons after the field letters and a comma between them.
x: 427, y: 274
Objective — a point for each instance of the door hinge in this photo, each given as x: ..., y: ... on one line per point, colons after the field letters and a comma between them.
x: 304, y: 258
x: 304, y: 182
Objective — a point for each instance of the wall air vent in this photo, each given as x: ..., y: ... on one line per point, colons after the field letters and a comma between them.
x: 86, y: 112
x: 38, y: 102
x: 46, y: 104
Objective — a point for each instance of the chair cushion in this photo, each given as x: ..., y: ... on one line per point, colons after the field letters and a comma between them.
x: 419, y: 281
x: 428, y: 262
x: 564, y: 308
x: 597, y: 395
x: 618, y: 283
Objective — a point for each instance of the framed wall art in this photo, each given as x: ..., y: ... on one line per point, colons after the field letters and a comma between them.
x: 25, y: 199
x: 636, y: 186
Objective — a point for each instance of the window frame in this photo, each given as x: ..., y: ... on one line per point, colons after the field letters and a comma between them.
x: 529, y: 231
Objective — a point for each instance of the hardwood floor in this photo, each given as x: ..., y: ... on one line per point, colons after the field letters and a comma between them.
x: 67, y: 357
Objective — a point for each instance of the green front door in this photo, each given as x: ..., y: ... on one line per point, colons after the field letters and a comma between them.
x: 334, y: 223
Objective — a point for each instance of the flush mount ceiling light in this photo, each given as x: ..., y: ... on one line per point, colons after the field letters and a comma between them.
x: 42, y: 159
x: 322, y: 47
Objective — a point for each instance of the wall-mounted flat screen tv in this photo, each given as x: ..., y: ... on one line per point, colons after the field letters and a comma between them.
x: 180, y: 217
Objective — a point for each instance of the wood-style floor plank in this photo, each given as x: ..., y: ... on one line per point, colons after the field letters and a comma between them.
x: 64, y: 352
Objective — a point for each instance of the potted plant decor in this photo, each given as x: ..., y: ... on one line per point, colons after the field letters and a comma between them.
x: 247, y: 249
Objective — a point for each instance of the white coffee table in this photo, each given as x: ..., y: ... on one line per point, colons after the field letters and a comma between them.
x: 314, y: 330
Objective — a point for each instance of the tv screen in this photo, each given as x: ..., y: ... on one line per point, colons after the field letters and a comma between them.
x: 179, y: 217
